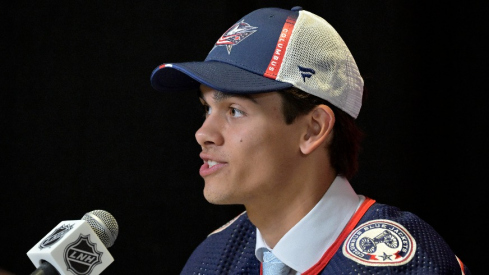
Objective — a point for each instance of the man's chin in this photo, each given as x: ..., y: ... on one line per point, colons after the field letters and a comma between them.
x: 217, y: 201
x: 218, y: 198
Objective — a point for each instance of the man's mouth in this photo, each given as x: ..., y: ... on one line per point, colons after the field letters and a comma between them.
x: 212, y: 163
x: 210, y: 167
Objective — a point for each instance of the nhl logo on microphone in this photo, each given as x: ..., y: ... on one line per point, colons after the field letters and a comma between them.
x: 82, y: 255
x: 55, y: 236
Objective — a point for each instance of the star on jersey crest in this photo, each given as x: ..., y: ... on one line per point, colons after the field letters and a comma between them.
x: 385, y: 257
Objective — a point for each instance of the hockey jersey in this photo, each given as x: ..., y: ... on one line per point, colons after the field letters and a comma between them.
x: 379, y: 239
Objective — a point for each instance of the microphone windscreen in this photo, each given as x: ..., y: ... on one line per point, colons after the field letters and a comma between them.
x: 104, y: 225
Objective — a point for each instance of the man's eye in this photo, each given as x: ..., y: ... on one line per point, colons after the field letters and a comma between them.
x: 207, y: 110
x: 236, y: 112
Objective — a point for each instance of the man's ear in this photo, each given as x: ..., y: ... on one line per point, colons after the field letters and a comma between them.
x: 320, y: 122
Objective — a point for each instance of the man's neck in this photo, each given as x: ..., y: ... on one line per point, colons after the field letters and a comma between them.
x: 277, y: 215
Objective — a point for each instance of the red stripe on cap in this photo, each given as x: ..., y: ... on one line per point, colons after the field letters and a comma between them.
x: 278, y: 55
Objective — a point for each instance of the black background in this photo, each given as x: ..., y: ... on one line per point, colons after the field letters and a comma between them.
x: 82, y: 129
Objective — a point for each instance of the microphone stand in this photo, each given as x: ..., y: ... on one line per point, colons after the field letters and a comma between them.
x: 45, y: 269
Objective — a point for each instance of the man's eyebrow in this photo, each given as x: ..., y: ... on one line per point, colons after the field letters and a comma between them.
x: 220, y: 96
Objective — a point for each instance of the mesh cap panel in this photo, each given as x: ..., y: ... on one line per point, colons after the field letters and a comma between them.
x: 318, y: 62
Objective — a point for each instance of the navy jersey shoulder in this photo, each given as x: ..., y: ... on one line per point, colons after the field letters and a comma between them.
x: 382, y: 229
x: 228, y: 250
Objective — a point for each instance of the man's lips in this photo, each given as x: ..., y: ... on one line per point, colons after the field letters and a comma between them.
x: 210, y: 165
x: 206, y: 170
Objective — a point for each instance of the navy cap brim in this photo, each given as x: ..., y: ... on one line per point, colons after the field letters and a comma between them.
x: 217, y: 75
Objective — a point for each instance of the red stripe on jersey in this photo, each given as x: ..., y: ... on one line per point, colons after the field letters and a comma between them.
x: 461, y: 265
x: 278, y: 55
x: 319, y: 266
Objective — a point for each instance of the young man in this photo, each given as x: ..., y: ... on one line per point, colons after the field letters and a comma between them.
x: 281, y: 92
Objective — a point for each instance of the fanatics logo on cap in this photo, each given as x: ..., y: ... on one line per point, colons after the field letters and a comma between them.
x: 380, y: 243
x: 237, y: 33
x: 306, y: 72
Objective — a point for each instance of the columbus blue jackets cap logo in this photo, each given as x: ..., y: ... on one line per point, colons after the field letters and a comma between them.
x: 55, y: 236
x: 380, y: 243
x: 234, y: 35
x: 81, y: 256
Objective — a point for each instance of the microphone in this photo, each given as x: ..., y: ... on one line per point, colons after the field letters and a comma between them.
x: 76, y: 246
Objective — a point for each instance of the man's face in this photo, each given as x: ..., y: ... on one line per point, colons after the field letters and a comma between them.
x: 248, y: 150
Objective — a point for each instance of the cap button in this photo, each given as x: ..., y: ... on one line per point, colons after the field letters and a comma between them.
x: 296, y: 8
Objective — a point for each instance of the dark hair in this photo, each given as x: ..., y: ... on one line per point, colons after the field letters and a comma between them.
x: 345, y: 145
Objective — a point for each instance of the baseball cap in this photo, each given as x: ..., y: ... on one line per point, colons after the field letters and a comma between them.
x: 271, y: 49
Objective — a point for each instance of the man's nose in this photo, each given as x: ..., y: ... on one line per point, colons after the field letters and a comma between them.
x: 210, y: 132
